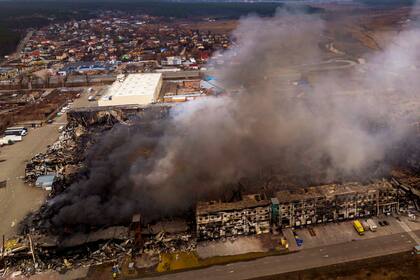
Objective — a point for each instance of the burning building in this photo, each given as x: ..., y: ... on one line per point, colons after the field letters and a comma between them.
x: 204, y: 148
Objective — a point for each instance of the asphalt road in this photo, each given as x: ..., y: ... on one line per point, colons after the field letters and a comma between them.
x: 305, y: 259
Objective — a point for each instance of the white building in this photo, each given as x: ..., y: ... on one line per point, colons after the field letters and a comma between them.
x: 137, y: 89
x: 172, y: 61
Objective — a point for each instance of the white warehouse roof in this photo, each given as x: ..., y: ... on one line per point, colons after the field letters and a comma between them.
x: 140, y: 89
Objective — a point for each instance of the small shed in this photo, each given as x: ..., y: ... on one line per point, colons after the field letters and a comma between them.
x: 45, y: 181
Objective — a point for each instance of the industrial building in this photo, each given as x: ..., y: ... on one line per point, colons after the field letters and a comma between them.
x: 328, y: 203
x: 255, y: 214
x: 251, y: 215
x: 134, y: 89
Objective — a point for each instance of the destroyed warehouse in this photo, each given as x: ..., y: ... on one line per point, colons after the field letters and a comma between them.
x: 253, y: 212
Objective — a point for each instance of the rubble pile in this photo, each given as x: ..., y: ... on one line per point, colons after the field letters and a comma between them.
x: 110, y: 251
x: 35, y: 252
x: 169, y: 243
x: 65, y: 157
x: 61, y: 249
x: 97, y: 116
x: 19, y: 256
x: 66, y: 151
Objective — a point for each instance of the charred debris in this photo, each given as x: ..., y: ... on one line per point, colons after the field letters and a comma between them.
x: 65, y: 157
x: 43, y: 245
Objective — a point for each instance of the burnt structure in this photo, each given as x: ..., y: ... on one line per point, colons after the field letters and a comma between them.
x: 328, y: 203
x: 255, y: 214
x: 88, y: 116
x: 251, y: 215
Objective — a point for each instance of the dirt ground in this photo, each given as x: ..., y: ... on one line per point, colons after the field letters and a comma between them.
x: 18, y: 199
x: 219, y: 26
x: 357, y: 31
x: 242, y: 245
x: 354, y: 30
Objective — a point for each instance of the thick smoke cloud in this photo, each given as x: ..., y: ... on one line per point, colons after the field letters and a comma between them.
x: 309, y: 133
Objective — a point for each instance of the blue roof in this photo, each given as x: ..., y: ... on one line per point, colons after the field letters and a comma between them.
x: 214, y: 85
x: 209, y: 78
x: 206, y: 85
x: 84, y: 65
x: 5, y: 69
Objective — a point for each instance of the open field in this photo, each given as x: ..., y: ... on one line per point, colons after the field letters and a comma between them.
x: 218, y: 26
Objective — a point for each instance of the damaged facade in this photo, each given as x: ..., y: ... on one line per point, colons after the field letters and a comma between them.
x: 327, y: 203
x: 251, y: 215
x: 334, y: 202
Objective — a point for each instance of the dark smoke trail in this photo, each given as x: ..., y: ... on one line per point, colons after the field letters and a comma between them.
x: 313, y: 134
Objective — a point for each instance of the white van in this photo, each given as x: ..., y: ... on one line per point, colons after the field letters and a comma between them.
x: 372, y: 225
x: 16, y: 132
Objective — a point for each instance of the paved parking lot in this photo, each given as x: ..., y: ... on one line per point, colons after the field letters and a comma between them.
x: 336, y: 233
x: 17, y: 199
x: 242, y: 245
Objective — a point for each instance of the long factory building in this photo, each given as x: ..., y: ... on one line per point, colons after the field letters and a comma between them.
x: 255, y: 214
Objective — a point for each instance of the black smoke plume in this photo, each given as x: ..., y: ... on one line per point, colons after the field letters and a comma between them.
x: 331, y: 128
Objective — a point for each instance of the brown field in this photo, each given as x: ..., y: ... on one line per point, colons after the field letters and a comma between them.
x: 219, y: 26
